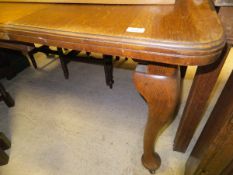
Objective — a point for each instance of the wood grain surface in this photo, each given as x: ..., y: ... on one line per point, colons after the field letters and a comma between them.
x: 203, y: 84
x: 160, y: 87
x: 98, y: 1
x: 214, y: 148
x: 187, y: 33
x: 200, y: 90
x: 226, y: 16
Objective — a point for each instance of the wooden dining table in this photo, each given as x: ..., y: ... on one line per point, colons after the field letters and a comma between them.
x: 201, y: 91
x: 160, y: 38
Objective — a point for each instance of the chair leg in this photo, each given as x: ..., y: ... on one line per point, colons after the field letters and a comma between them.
x: 5, y: 96
x: 44, y: 49
x: 4, y: 158
x: 32, y: 58
x: 108, y: 69
x: 4, y: 145
x: 117, y: 58
x: 63, y: 63
x: 4, y: 142
x: 88, y: 53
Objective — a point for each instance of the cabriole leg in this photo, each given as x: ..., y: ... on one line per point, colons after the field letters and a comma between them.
x: 160, y: 87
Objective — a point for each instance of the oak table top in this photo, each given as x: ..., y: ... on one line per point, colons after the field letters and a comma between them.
x: 187, y: 33
x: 98, y: 1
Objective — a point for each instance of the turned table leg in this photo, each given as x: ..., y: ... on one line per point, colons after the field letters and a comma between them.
x: 160, y: 86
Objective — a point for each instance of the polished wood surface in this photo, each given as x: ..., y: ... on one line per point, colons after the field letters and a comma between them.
x: 200, y: 90
x: 213, y: 151
x: 98, y: 1
x: 228, y: 169
x: 226, y: 16
x: 160, y: 87
x: 4, y: 158
x: 4, y: 142
x: 203, y: 84
x: 187, y: 33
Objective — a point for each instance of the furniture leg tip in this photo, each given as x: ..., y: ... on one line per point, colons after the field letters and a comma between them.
x: 111, y: 84
x: 152, y: 171
x: 152, y: 163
